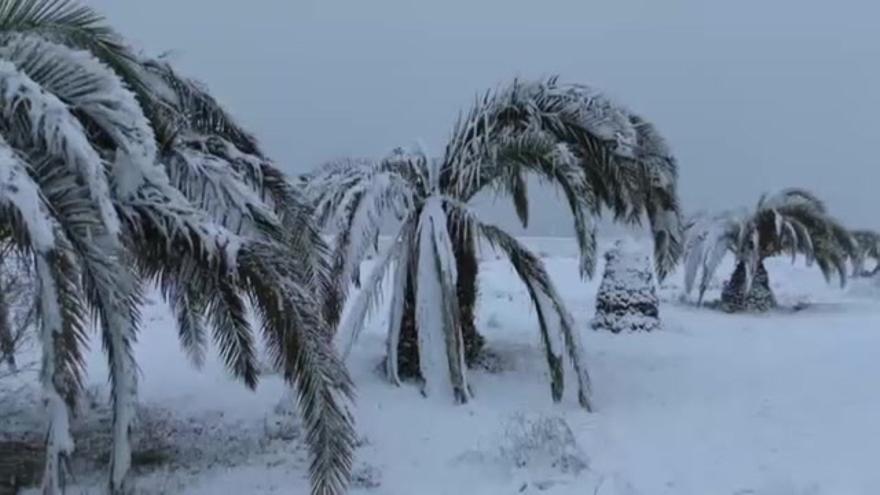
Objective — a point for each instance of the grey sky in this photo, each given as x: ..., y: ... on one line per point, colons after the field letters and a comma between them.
x: 752, y: 95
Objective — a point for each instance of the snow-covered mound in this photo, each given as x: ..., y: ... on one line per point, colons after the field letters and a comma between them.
x: 783, y: 403
x: 627, y: 299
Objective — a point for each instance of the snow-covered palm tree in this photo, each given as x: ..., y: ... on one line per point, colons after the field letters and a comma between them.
x: 99, y: 203
x: 868, y: 242
x: 792, y: 221
x: 599, y: 155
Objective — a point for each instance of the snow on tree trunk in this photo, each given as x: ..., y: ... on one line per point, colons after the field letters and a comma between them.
x: 59, y: 442
x: 406, y: 350
x: 441, y: 349
x: 627, y: 298
x: 407, y: 344
x: 759, y: 298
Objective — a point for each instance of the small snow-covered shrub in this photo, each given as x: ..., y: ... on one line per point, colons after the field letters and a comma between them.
x: 627, y: 299
x: 533, y: 442
x: 541, y: 441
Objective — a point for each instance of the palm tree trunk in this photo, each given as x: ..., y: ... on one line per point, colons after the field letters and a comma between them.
x: 408, y: 345
x: 759, y: 298
x: 467, y: 267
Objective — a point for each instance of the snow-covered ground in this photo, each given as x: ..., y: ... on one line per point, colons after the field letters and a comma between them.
x: 779, y: 404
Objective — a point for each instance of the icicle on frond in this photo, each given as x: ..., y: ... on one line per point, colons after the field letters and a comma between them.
x: 295, y: 334
x: 370, y: 294
x: 557, y: 324
x: 440, y: 341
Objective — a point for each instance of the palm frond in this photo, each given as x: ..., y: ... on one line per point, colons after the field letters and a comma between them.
x: 232, y: 333
x: 557, y: 324
x: 441, y: 345
x: 190, y: 310
x: 73, y: 24
x: 627, y: 166
x: 296, y: 334
x: 371, y: 290
x: 187, y: 106
x: 91, y: 89
x: 45, y: 122
x: 61, y: 307
x: 112, y: 292
x: 359, y: 195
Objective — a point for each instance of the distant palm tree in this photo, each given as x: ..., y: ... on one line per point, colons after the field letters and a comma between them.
x: 599, y: 155
x: 869, y: 249
x: 113, y: 169
x: 793, y: 221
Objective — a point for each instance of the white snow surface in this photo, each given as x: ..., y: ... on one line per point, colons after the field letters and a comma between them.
x: 779, y: 404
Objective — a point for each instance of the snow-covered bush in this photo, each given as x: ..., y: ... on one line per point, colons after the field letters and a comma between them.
x: 540, y: 444
x: 627, y: 298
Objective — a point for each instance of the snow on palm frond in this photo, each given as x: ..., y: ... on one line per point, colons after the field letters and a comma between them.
x: 441, y: 346
x: 187, y: 105
x: 213, y: 186
x: 79, y: 124
x: 557, y: 324
x: 298, y: 340
x: 70, y: 23
x: 707, y: 240
x: 628, y: 166
x: 354, y: 197
x: 41, y: 120
x: 218, y: 166
x: 111, y: 290
x: 60, y: 312
x: 96, y: 93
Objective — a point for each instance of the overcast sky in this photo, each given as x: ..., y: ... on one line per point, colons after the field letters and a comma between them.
x: 752, y: 95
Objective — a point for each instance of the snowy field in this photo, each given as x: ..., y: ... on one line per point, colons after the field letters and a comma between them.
x: 779, y: 404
